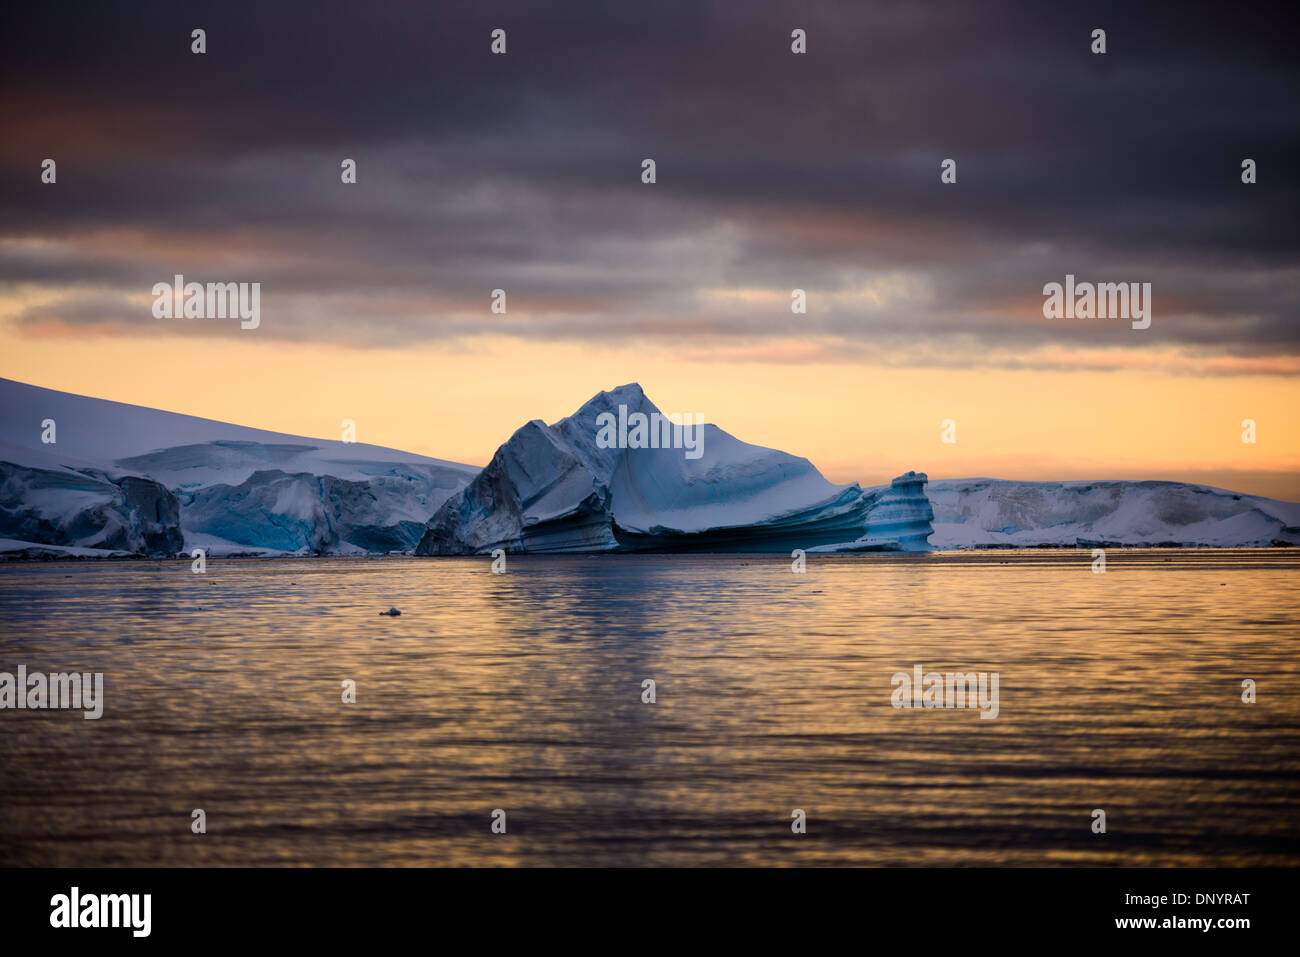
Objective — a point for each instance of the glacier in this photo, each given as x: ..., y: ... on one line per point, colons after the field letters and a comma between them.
x: 122, y: 479
x: 125, y: 480
x: 997, y: 513
x: 84, y: 507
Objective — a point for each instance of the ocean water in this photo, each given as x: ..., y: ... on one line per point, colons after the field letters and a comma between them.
x: 523, y: 692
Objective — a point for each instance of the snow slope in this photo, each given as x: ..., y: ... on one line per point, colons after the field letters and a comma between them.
x: 97, y: 430
x: 234, y: 488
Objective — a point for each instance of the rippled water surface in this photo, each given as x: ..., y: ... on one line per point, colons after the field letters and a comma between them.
x: 523, y: 692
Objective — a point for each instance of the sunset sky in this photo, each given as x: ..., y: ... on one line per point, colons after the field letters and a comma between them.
x: 775, y: 171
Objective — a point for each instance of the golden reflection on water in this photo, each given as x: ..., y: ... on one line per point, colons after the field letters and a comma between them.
x: 522, y: 691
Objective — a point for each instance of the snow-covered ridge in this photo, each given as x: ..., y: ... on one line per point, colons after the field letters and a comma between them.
x: 124, y: 478
x: 981, y: 513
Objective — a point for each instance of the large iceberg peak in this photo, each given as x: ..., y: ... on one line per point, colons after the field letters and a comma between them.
x: 579, y: 430
x: 630, y: 395
x: 554, y: 489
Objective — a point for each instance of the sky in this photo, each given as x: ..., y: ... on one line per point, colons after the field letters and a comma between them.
x: 775, y: 171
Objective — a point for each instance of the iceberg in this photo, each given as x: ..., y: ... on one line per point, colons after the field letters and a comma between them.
x: 555, y: 489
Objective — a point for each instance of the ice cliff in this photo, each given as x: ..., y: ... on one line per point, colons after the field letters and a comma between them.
x: 304, y: 512
x: 898, y: 518
x: 86, y: 507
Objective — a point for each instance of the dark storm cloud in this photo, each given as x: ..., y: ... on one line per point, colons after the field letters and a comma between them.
x: 775, y: 171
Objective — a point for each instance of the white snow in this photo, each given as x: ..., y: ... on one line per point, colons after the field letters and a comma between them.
x: 97, y: 430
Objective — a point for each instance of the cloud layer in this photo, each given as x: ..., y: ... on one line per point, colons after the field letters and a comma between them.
x: 775, y: 172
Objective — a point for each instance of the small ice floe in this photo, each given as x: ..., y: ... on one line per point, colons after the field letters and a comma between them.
x: 393, y: 612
